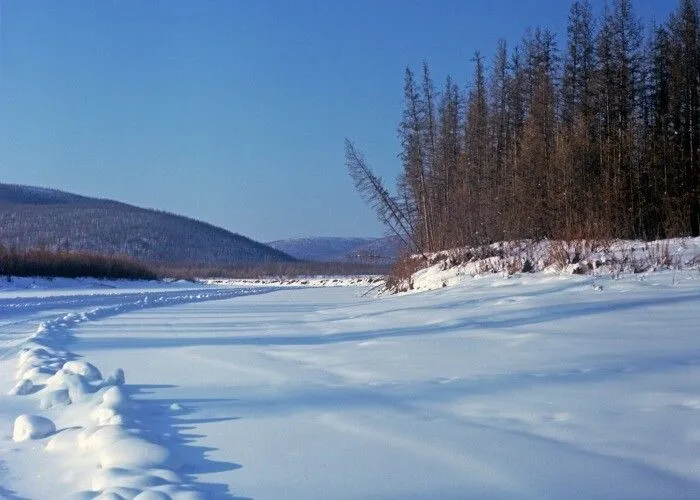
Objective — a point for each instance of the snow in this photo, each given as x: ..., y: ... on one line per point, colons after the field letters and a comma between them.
x: 600, y: 258
x: 84, y: 369
x: 544, y: 385
x: 32, y: 427
x: 68, y: 286
x: 308, y: 281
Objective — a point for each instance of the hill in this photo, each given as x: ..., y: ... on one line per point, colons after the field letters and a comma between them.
x: 379, y: 251
x: 33, y: 217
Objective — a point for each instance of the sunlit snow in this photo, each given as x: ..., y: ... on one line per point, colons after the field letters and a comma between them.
x: 529, y: 386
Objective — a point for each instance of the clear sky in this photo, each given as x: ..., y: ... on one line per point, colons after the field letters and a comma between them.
x: 233, y: 111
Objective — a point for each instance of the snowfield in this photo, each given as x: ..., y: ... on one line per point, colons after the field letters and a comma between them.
x: 529, y: 386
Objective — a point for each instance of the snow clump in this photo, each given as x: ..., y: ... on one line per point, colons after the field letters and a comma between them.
x: 104, y: 424
x: 32, y: 427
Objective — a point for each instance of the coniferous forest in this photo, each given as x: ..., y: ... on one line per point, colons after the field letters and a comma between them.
x: 597, y: 139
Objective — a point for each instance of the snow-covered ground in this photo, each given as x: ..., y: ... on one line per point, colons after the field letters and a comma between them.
x: 528, y: 386
x: 309, y: 281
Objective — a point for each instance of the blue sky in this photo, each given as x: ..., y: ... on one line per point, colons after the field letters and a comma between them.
x: 233, y: 112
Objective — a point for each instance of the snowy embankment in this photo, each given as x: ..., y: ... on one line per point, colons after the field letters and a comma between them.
x: 82, y: 416
x: 599, y: 258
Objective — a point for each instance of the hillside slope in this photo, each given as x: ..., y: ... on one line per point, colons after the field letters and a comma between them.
x: 334, y: 249
x: 31, y: 217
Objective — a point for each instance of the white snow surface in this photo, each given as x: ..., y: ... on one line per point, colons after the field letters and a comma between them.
x: 544, y: 385
x: 307, y: 281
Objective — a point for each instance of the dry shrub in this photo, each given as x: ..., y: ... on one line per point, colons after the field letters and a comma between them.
x: 400, y: 278
x: 515, y: 265
x: 630, y: 260
x: 651, y: 257
x: 694, y: 261
x: 561, y: 254
x: 557, y: 255
x: 524, y: 256
x: 659, y: 256
x: 460, y: 256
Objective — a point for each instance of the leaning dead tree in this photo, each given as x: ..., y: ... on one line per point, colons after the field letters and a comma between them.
x: 372, y: 190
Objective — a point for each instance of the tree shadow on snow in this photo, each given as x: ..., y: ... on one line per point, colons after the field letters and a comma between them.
x: 518, y: 318
x: 10, y: 495
x: 165, y: 422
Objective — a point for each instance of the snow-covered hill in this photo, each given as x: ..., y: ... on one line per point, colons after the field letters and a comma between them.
x: 32, y: 217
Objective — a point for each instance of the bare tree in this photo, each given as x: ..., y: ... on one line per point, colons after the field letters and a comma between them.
x: 372, y: 190
x: 604, y: 143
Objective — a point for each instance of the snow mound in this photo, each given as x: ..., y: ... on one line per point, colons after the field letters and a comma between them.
x: 101, y: 422
x: 152, y: 495
x: 114, y: 398
x: 54, y: 398
x: 22, y: 387
x: 101, y: 437
x: 84, y: 369
x: 129, y: 465
x: 77, y: 386
x: 135, y: 479
x: 117, y: 378
x: 104, y: 415
x: 63, y: 441
x: 32, y: 427
x: 135, y: 453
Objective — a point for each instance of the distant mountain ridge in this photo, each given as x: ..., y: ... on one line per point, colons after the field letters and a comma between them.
x: 33, y: 217
x: 15, y: 194
x: 379, y: 251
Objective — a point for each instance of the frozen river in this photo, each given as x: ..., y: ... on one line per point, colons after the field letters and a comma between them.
x: 536, y: 386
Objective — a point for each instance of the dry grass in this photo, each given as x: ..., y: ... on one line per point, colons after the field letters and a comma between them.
x: 659, y: 256
x: 400, y: 277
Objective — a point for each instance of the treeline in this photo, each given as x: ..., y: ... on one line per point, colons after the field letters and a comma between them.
x: 598, y: 140
x: 74, y: 264
x: 51, y: 264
